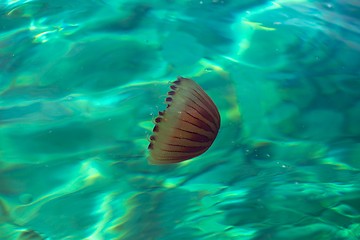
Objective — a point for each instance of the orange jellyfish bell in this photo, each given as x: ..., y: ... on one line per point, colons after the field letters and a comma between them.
x: 187, y: 127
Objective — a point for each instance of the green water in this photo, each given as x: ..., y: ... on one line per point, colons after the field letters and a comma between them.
x: 81, y: 82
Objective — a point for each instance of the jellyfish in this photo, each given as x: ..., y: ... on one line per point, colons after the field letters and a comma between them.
x: 187, y: 127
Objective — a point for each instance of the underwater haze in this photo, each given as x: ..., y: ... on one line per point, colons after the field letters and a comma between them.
x: 81, y: 82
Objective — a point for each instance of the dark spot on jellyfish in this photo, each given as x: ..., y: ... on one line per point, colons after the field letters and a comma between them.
x: 186, y: 135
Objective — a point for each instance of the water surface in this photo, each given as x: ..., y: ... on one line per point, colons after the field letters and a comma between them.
x: 81, y: 82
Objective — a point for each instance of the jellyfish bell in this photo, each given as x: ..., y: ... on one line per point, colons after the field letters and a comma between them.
x: 187, y: 127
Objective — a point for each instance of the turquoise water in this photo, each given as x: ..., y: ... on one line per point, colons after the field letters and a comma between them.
x: 81, y: 82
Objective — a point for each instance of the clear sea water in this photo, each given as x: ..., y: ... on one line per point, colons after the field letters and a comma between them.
x: 81, y: 82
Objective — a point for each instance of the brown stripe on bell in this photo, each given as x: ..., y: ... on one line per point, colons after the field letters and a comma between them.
x: 188, y: 126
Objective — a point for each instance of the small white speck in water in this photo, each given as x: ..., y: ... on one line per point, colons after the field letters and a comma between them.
x: 329, y: 5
